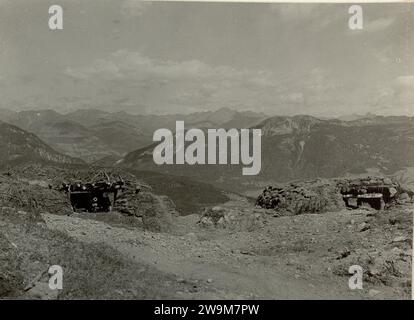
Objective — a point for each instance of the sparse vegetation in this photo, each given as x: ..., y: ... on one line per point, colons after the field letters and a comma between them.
x: 91, y: 270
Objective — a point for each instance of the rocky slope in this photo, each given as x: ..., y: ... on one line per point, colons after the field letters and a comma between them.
x: 19, y: 146
x: 304, y: 147
x: 231, y: 250
x: 89, y: 141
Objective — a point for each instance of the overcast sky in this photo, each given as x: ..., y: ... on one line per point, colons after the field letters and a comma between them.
x: 186, y: 57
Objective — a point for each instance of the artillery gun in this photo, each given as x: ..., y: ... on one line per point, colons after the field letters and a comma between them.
x: 377, y: 195
x: 97, y: 196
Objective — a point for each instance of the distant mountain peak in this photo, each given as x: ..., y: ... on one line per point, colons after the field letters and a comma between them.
x: 282, y: 125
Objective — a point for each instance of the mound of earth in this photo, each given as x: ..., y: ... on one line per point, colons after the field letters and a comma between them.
x: 323, y: 195
x: 302, y: 197
x: 25, y: 194
x: 37, y: 187
x: 188, y: 196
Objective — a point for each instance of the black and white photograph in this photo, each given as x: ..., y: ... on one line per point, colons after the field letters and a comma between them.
x: 180, y: 150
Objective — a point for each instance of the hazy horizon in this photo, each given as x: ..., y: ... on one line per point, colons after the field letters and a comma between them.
x: 172, y: 58
x: 265, y: 114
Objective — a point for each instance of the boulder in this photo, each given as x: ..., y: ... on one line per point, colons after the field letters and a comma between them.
x: 42, y: 291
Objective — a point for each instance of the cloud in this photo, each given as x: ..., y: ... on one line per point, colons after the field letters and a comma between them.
x: 134, y: 8
x: 294, y: 11
x: 324, y: 17
x: 312, y: 16
x: 404, y: 91
x: 395, y: 97
x: 405, y: 81
x: 5, y: 2
x: 377, y: 25
x: 128, y: 78
x: 132, y: 65
x: 173, y: 85
x: 294, y: 98
x: 100, y: 68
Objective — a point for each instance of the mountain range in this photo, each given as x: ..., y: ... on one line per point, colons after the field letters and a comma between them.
x: 93, y: 135
x: 305, y: 147
x: 297, y: 147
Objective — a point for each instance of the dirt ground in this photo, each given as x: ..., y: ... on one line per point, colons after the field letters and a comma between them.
x: 299, y: 257
x: 232, y: 251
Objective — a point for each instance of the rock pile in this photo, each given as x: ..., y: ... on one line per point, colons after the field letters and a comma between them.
x: 391, y: 191
x: 29, y: 196
x: 127, y: 201
x: 304, y: 197
x: 234, y: 218
x: 325, y: 195
x: 390, y: 266
x: 214, y: 216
